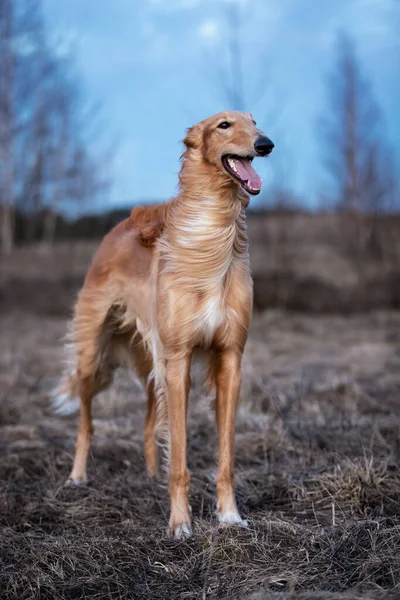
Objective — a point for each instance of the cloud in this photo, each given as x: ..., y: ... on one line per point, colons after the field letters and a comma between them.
x: 240, y: 2
x: 65, y: 40
x: 173, y: 5
x: 209, y: 30
x: 372, y: 23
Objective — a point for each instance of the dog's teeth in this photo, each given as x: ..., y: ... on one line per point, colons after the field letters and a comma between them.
x: 232, y: 164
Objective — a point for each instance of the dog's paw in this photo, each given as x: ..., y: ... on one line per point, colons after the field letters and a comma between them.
x: 231, y: 517
x: 181, y: 531
x: 75, y: 482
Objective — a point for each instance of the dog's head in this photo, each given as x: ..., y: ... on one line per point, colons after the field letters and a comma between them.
x: 230, y: 140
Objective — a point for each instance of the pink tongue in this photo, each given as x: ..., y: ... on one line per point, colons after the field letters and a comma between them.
x: 247, y: 173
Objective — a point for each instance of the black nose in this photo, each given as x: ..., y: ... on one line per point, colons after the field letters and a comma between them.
x: 263, y: 145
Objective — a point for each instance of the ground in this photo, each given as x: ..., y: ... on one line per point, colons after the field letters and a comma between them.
x: 317, y: 463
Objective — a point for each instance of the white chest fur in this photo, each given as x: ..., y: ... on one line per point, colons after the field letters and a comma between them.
x: 211, y: 317
x: 213, y: 314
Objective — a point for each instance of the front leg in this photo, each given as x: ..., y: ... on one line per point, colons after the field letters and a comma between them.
x: 228, y: 379
x: 178, y: 384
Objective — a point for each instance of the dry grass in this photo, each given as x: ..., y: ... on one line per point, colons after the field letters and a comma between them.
x: 317, y: 456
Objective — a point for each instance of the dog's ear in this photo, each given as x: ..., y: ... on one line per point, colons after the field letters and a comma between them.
x: 194, y: 137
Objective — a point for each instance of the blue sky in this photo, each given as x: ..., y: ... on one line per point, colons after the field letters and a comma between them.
x: 156, y: 67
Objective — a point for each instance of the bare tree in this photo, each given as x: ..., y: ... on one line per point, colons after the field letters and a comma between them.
x: 44, y: 146
x: 240, y: 91
x: 362, y: 179
x: 59, y: 166
x: 231, y: 78
x: 353, y: 136
x: 6, y: 125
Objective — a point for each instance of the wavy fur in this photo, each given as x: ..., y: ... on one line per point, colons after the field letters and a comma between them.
x: 169, y: 279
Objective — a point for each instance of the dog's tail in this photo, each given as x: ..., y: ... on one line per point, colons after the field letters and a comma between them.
x: 65, y: 396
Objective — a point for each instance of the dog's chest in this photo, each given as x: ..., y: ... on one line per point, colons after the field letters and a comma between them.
x: 212, y: 315
x: 225, y: 309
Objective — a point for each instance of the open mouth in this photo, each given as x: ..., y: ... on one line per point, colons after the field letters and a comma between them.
x: 240, y: 168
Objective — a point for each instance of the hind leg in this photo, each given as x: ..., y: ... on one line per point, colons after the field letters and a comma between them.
x: 78, y: 474
x: 142, y: 363
x: 88, y: 388
x: 94, y: 374
x: 150, y: 445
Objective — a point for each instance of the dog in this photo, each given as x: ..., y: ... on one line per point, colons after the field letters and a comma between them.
x: 170, y: 279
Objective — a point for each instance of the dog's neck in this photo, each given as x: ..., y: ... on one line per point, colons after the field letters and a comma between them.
x: 206, y: 228
x: 201, y: 179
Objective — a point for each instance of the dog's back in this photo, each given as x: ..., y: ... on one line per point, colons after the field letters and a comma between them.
x: 113, y: 306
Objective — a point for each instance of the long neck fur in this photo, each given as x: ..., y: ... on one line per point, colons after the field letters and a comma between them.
x: 206, y: 227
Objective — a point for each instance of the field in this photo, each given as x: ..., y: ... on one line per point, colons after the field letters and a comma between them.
x: 317, y: 462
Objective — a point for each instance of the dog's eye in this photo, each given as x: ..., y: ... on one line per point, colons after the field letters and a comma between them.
x: 224, y: 125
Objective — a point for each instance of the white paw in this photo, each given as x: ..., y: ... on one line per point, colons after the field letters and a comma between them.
x: 72, y: 482
x: 181, y: 531
x: 231, y: 517
x: 63, y: 405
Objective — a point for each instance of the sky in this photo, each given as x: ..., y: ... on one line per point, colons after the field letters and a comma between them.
x: 158, y: 66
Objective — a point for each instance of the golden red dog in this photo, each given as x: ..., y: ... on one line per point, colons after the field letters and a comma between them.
x: 168, y: 280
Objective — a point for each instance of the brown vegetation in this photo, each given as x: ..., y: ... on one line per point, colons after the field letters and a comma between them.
x: 302, y: 262
x: 317, y: 455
